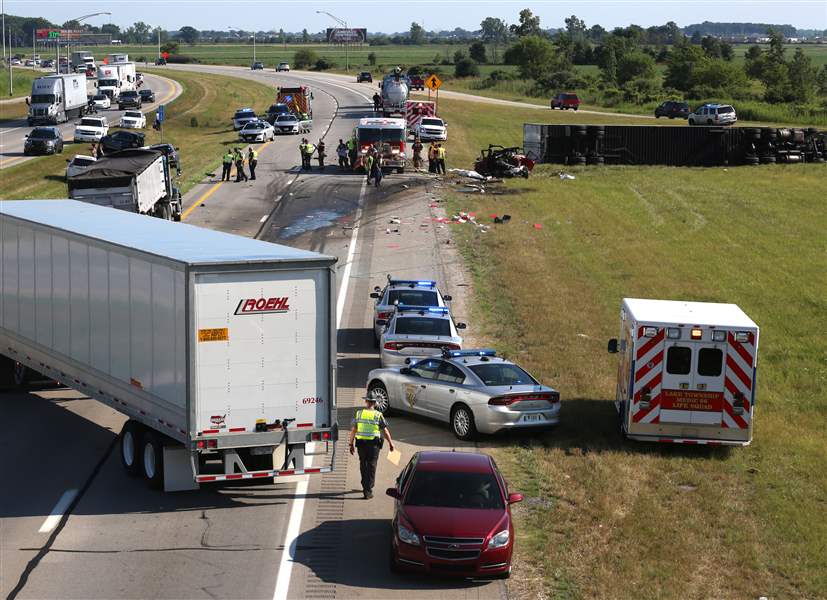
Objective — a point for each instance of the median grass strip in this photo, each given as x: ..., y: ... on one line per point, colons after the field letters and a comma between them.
x: 608, y: 517
x: 198, y: 122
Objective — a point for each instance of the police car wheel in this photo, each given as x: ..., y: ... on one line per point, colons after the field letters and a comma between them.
x: 462, y: 422
x: 378, y: 392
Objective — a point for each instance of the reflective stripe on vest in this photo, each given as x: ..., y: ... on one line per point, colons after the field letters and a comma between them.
x: 367, y: 424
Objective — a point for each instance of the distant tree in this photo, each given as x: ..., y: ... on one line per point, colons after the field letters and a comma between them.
x: 170, y: 47
x: 416, y: 35
x: 437, y: 59
x: 477, y: 52
x: 372, y: 58
x: 576, y: 28
x: 305, y: 37
x: 189, y: 34
x: 822, y: 81
x: 322, y: 64
x: 459, y: 55
x: 141, y: 31
x: 803, y: 77
x: 635, y: 65
x: 466, y: 67
x: 696, y: 37
x: 494, y: 32
x: 727, y: 52
x: 754, y: 61
x: 304, y: 57
x: 532, y: 54
x: 112, y: 30
x: 597, y: 33
x: 529, y: 25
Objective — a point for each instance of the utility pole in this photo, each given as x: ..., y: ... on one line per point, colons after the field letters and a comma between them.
x: 3, y: 11
x: 159, y: 41
x: 347, y: 38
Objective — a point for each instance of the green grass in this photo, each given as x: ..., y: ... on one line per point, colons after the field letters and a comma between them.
x: 609, y: 518
x: 209, y: 100
x: 22, y: 78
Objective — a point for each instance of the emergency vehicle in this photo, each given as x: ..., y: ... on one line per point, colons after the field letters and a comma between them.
x: 298, y: 99
x: 388, y: 134
x: 415, y: 111
x: 687, y: 372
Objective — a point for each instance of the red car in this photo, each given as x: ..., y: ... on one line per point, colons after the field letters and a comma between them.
x: 565, y: 101
x: 452, y: 516
x: 417, y: 83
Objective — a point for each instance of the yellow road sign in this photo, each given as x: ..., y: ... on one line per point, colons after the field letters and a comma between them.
x: 433, y: 82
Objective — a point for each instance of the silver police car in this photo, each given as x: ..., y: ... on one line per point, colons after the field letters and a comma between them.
x: 416, y: 331
x: 472, y: 390
x: 413, y: 292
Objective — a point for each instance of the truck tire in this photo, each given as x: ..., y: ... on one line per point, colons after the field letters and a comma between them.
x: 130, y: 441
x: 152, y: 459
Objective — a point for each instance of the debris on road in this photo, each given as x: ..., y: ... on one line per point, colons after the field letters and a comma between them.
x: 503, y: 219
x: 565, y: 176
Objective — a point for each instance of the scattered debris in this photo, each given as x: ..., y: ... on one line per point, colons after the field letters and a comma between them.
x: 538, y: 226
x: 498, y: 161
x: 395, y: 221
x: 565, y: 176
x: 467, y: 173
x: 503, y: 219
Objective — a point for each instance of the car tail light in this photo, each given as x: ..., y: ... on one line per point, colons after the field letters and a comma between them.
x: 318, y: 436
x: 201, y: 444
x: 392, y: 346
x: 550, y: 397
x: 385, y: 315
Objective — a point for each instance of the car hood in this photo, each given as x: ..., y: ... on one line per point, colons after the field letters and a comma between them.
x: 452, y: 522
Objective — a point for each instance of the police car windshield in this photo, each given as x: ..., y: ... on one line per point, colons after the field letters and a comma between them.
x: 244, y: 114
x: 254, y: 125
x: 285, y: 118
x: 369, y: 136
x: 91, y: 122
x: 413, y: 297
x: 454, y: 490
x: 496, y: 374
x: 423, y: 326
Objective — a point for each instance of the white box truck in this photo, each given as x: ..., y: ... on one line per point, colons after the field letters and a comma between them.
x: 137, y: 180
x: 82, y: 61
x: 220, y: 349
x: 57, y: 98
x: 687, y: 372
x: 117, y: 78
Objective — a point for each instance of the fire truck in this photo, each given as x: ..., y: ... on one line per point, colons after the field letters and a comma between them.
x: 298, y: 99
x: 687, y: 372
x: 388, y: 135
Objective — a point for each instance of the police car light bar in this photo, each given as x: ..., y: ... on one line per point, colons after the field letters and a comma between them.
x: 439, y: 310
x: 461, y: 353
x: 418, y: 283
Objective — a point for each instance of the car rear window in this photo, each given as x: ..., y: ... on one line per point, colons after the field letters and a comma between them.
x: 436, y: 122
x: 44, y: 134
x: 569, y: 96
x: 132, y: 113
x: 725, y: 109
x: 100, y: 97
x: 244, y: 114
x: 454, y: 490
x: 495, y: 374
x: 413, y: 297
x: 423, y: 326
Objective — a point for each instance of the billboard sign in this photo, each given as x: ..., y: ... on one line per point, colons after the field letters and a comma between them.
x: 78, y: 36
x: 340, y: 35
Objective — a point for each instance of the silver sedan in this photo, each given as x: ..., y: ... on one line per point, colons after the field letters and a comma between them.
x: 472, y: 390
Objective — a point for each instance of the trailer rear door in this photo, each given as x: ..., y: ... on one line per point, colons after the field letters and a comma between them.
x: 693, y: 383
x: 263, y: 344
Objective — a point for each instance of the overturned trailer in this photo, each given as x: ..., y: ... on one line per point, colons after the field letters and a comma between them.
x: 674, y: 146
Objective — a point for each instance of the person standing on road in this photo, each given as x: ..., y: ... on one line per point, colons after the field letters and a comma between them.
x: 252, y: 161
x: 366, y: 431
x: 309, y: 149
x: 351, y: 152
x: 417, y: 154
x: 368, y: 163
x: 303, y: 152
x: 341, y: 152
x: 377, y: 102
x: 226, y: 165
x: 432, y: 158
x: 377, y: 170
x: 320, y: 154
x: 239, y: 166
x: 440, y: 159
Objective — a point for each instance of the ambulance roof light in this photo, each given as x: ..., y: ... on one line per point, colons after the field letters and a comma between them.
x: 650, y: 331
x: 719, y: 335
x: 673, y: 333
x: 697, y: 333
x: 742, y: 336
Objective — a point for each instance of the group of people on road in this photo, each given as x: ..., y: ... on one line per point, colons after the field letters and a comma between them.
x: 237, y: 157
x: 307, y: 149
x: 373, y: 165
x: 436, y: 156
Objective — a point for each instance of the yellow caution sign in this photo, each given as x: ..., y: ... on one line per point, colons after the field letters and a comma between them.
x: 433, y: 82
x: 214, y: 335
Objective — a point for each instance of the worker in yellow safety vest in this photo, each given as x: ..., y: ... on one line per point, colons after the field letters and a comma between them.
x: 440, y: 159
x: 367, y: 428
x: 252, y: 161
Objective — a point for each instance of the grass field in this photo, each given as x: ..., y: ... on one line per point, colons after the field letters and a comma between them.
x: 207, y: 99
x: 22, y: 78
x: 608, y: 518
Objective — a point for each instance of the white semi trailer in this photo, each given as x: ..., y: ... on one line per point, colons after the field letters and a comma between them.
x: 116, y: 78
x: 220, y: 349
x: 56, y: 99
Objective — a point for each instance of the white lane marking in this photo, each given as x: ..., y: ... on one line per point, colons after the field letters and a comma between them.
x: 291, y: 537
x: 57, y: 512
x: 262, y: 219
x: 290, y: 181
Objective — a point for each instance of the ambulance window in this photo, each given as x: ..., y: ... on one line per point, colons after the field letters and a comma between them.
x: 678, y: 360
x: 710, y: 362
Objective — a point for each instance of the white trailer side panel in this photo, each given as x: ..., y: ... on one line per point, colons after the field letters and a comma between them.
x: 122, y: 198
x: 262, y: 362
x: 150, y: 186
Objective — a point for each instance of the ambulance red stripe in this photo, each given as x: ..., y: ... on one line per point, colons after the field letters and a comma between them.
x: 733, y: 389
x: 642, y: 413
x: 656, y: 360
x: 738, y: 420
x: 655, y: 382
x: 739, y: 348
x: 645, y: 348
x: 733, y: 366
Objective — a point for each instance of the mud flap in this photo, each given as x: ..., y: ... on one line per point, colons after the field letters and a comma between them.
x: 178, y: 470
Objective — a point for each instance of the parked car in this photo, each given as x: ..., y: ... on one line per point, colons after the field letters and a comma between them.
x: 91, y: 129
x: 160, y: 60
x: 256, y: 131
x: 287, y: 123
x: 412, y: 292
x: 283, y: 66
x: 452, y: 516
x: 565, y: 101
x: 364, y: 76
x: 416, y: 331
x: 243, y: 116
x: 431, y: 129
x: 78, y: 164
x: 713, y: 114
x: 129, y: 99
x: 416, y: 82
x: 275, y: 110
x: 121, y: 140
x: 171, y: 153
x: 257, y: 66
x: 147, y: 95
x: 133, y: 119
x: 672, y: 109
x: 48, y: 63
x: 101, y: 101
x: 43, y: 140
x: 471, y: 390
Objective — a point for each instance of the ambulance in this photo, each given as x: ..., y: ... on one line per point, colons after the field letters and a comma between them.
x: 686, y: 373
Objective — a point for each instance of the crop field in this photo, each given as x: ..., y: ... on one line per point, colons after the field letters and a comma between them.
x: 22, y: 78
x: 610, y: 518
x: 198, y: 122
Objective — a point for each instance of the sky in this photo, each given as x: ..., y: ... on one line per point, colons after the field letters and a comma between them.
x: 390, y: 16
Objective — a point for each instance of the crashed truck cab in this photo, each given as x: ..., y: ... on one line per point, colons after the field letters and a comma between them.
x: 687, y: 372
x: 388, y: 134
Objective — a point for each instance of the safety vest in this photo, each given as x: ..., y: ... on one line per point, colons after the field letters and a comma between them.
x: 309, y: 148
x: 253, y: 155
x: 440, y: 152
x: 367, y: 424
x: 350, y: 144
x: 228, y: 159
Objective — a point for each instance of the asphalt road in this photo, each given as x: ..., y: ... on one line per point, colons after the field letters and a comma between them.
x: 12, y: 133
x: 310, y: 538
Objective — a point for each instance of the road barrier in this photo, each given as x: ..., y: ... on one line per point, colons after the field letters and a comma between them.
x: 674, y: 146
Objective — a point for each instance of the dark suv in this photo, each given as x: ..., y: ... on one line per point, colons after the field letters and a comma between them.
x: 43, y: 140
x: 129, y: 99
x: 121, y: 140
x: 672, y: 109
x: 364, y: 76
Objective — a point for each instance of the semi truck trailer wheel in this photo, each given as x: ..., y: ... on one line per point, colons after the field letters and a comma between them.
x: 152, y: 459
x: 130, y: 445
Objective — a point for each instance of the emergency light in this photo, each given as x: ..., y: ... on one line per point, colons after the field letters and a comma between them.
x: 412, y: 282
x: 650, y: 331
x: 461, y: 353
x: 697, y: 333
x: 719, y: 336
x: 742, y: 336
x: 673, y: 333
x: 439, y: 310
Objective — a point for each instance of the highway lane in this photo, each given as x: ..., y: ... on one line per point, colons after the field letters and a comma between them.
x: 12, y: 133
x: 123, y: 540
